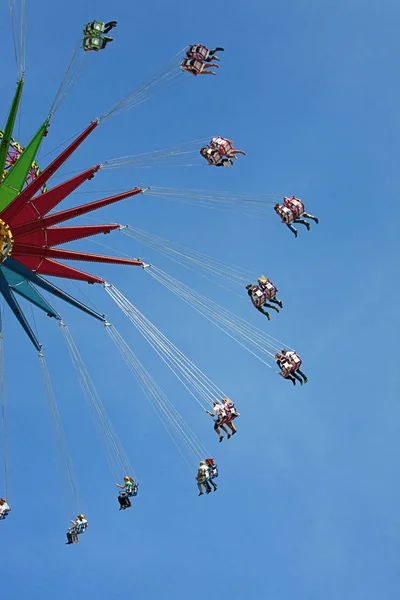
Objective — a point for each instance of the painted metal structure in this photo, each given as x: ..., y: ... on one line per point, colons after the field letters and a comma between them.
x: 30, y: 236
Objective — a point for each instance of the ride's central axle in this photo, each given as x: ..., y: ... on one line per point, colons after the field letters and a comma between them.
x: 6, y: 241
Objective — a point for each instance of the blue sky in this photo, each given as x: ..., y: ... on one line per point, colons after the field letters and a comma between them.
x: 307, y: 505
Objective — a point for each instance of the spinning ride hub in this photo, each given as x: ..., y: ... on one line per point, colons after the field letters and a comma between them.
x: 6, y: 241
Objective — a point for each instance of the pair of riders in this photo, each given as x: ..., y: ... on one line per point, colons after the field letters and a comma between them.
x: 199, y: 59
x: 78, y: 527
x: 259, y: 294
x: 129, y: 489
x: 94, y: 38
x: 289, y: 364
x: 220, y: 152
x: 223, y: 414
x: 290, y: 212
x: 206, y: 472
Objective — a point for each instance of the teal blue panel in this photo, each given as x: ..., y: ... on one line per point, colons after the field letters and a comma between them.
x: 22, y: 287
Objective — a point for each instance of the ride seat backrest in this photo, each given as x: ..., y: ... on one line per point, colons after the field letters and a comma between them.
x: 287, y: 215
x: 201, y: 52
x: 287, y: 368
x: 213, y: 472
x: 197, y: 66
x: 258, y: 297
x: 223, y: 145
x: 95, y: 27
x: 214, y: 157
x: 92, y: 43
x: 133, y: 491
x: 295, y: 360
x: 81, y: 528
x: 269, y: 290
x: 296, y: 206
x: 230, y: 414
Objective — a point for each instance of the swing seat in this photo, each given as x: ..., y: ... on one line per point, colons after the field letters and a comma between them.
x: 286, y: 368
x: 267, y: 287
x: 232, y: 415
x: 295, y: 205
x: 130, y: 494
x: 295, y: 360
x: 134, y: 491
x: 212, y: 469
x: 213, y: 472
x: 94, y: 28
x: 258, y: 298
x: 287, y: 215
x: 92, y: 43
x: 199, y: 52
x: 80, y: 528
x: 193, y: 66
x: 223, y: 146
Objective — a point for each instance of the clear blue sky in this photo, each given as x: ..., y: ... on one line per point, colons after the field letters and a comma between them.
x: 307, y: 505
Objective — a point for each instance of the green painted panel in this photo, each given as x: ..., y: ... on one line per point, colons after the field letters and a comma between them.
x: 15, y: 179
x: 7, y: 134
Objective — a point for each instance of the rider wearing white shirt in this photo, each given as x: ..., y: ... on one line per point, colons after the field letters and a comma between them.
x: 219, y: 413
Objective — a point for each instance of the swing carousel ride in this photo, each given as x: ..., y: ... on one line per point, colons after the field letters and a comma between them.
x: 32, y: 240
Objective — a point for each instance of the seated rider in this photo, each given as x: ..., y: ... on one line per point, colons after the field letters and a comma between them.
x: 202, y: 478
x: 230, y: 408
x: 286, y: 369
x: 129, y: 489
x: 79, y: 526
x: 295, y: 359
x: 230, y: 413
x: 290, y: 212
x: 200, y: 52
x: 270, y: 291
x: 4, y: 508
x: 289, y: 368
x: 218, y: 415
x: 81, y: 523
x: 257, y: 298
x: 214, y: 158
x: 212, y: 472
x: 94, y: 38
x: 197, y: 67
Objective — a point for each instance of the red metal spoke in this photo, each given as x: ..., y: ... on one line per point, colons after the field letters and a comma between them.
x: 46, y: 266
x: 20, y: 249
x: 27, y: 194
x: 70, y: 213
x: 41, y: 205
x: 54, y: 236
